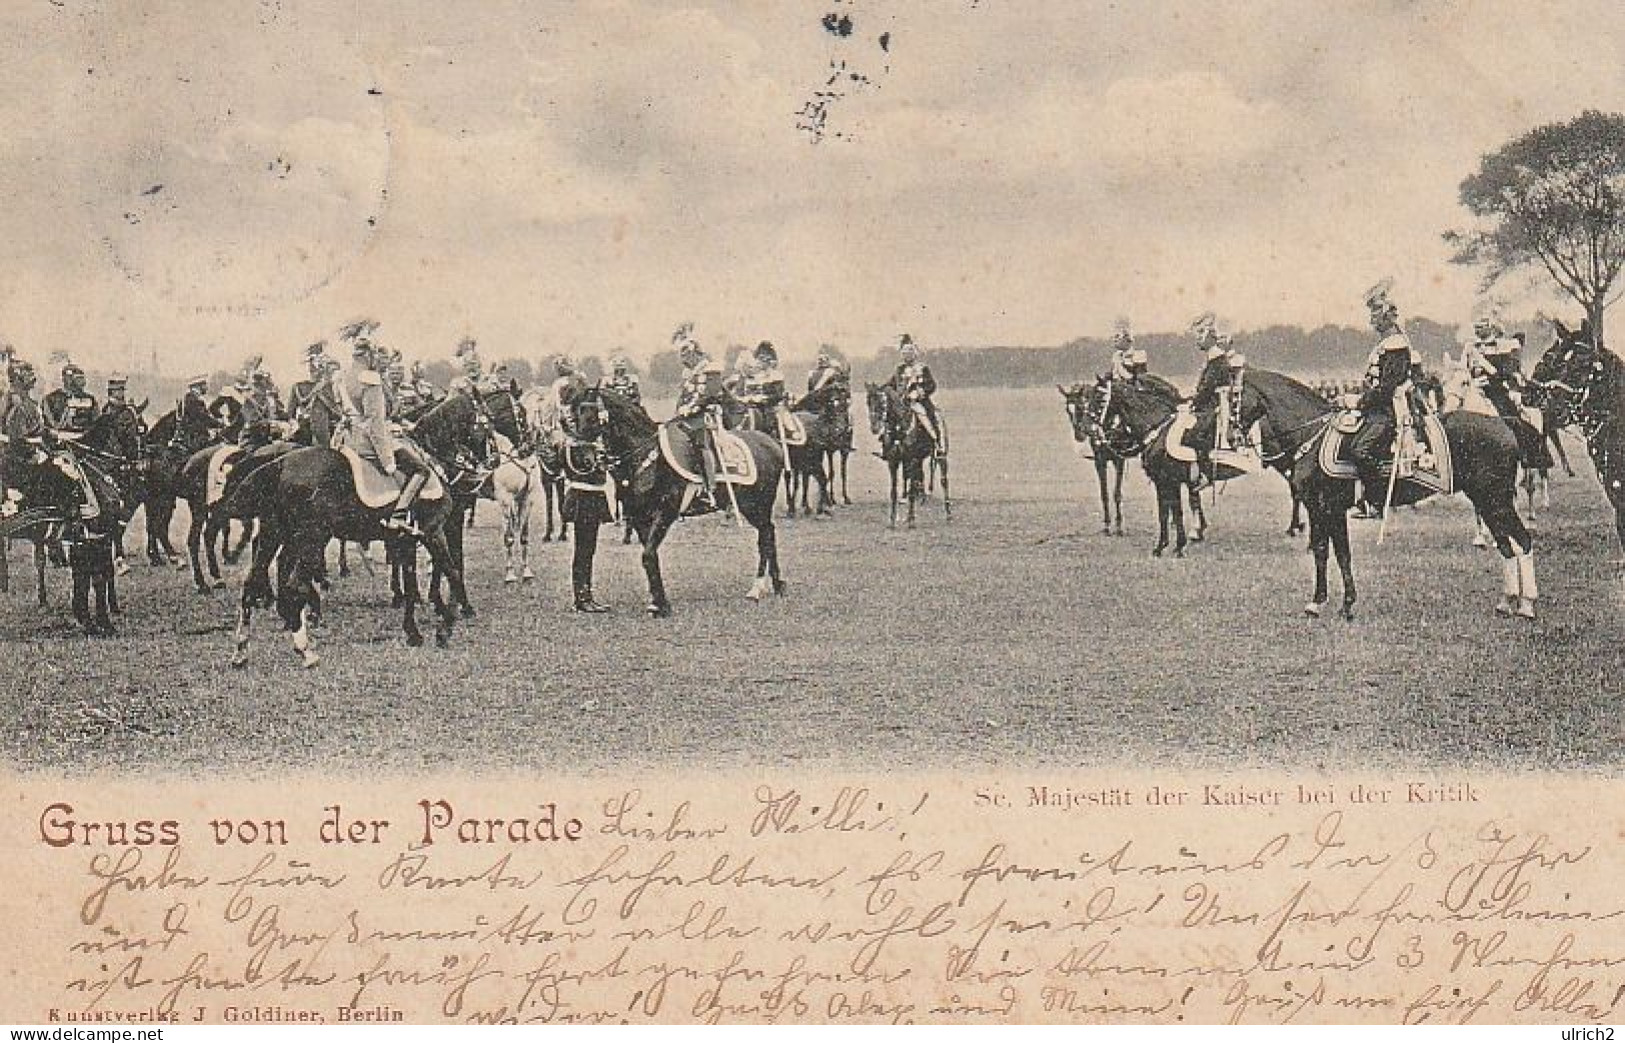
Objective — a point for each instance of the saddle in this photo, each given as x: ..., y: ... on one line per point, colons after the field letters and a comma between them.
x: 736, y: 465
x: 220, y: 461
x: 791, y: 428
x: 377, y: 490
x: 1423, y: 463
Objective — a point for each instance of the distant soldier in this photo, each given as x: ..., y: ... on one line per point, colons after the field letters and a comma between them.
x: 22, y: 425
x: 623, y: 381
x: 1492, y: 364
x: 1128, y: 362
x: 699, y: 393
x: 70, y: 409
x: 825, y: 372
x: 914, y: 381
x: 762, y: 388
x: 195, y: 423
x: 466, y: 362
x: 1390, y: 371
x: 588, y: 485
x: 262, y: 412
x: 313, y: 403
x: 1221, y: 369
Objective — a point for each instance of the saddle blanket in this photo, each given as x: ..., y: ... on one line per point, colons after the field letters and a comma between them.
x: 1426, y: 464
x: 738, y: 465
x: 217, y: 473
x: 795, y: 432
x: 377, y: 490
x: 1184, y: 419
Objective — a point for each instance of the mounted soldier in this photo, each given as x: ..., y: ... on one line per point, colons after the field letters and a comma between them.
x: 124, y: 417
x: 369, y: 431
x: 829, y: 392
x: 466, y: 362
x: 262, y: 412
x: 1128, y: 362
x: 913, y: 380
x: 22, y: 425
x: 1391, y: 370
x: 762, y: 393
x: 70, y: 409
x: 623, y: 381
x: 422, y: 387
x: 699, y: 398
x: 195, y: 423
x: 227, y: 408
x: 1492, y: 365
x: 551, y: 415
x: 313, y: 403
x: 1217, y: 397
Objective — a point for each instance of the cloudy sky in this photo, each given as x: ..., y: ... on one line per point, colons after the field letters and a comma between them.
x: 237, y: 177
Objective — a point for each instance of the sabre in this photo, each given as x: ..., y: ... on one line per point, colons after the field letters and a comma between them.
x: 1388, y: 500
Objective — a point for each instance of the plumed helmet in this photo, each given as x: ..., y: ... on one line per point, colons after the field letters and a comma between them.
x: 562, y: 365
x: 1205, y: 329
x: 117, y: 380
x: 1379, y: 303
x: 1121, y: 335
x: 199, y: 380
x: 466, y: 348
x: 765, y: 352
x: 618, y: 363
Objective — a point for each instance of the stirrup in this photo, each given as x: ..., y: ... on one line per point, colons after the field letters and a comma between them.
x: 401, y: 522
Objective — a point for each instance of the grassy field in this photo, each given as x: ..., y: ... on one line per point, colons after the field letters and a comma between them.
x: 1015, y: 635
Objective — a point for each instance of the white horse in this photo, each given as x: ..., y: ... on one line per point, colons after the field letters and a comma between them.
x: 541, y: 415
x: 513, y: 482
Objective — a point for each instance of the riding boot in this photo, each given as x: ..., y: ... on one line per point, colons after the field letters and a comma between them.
x: 708, y: 470
x: 586, y: 545
x: 401, y: 518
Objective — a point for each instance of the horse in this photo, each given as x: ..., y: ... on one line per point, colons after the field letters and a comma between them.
x: 498, y: 412
x: 803, y: 462
x: 1456, y: 390
x: 209, y: 527
x: 1485, y: 455
x: 516, y: 479
x: 166, y: 459
x: 307, y: 497
x: 832, y: 402
x: 1145, y: 409
x: 534, y: 406
x: 71, y: 509
x: 1109, y: 450
x: 905, y: 445
x: 1583, y: 385
x: 653, y: 495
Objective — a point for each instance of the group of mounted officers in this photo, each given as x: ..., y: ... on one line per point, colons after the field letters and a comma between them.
x: 1391, y: 398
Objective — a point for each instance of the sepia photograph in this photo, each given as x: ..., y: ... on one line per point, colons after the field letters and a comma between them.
x: 960, y: 511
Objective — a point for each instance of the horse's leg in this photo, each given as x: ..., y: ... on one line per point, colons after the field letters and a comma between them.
x: 304, y: 588
x: 80, y: 569
x: 846, y: 496
x: 1179, y: 519
x: 1345, y: 559
x: 102, y: 573
x: 447, y: 564
x: 525, y: 572
x: 510, y: 537
x: 892, y: 466
x: 1101, y: 464
x: 1164, y: 516
x: 406, y: 557
x: 194, y: 548
x: 1555, y: 435
x: 454, y: 576
x: 658, y: 526
x: 1319, y: 546
x: 111, y: 577
x: 767, y: 561
x: 39, y: 570
x: 1517, y: 549
x: 914, y: 486
x: 947, y: 497
x: 5, y: 565
x: 1195, y: 498
x: 213, y: 528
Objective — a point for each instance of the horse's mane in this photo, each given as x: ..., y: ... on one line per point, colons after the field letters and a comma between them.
x: 436, y: 426
x: 623, y: 411
x: 1161, y: 387
x: 1286, y: 392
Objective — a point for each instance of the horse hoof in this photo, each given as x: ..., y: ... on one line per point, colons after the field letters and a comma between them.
x: 1198, y: 538
x: 1504, y: 608
x: 1526, y: 609
x: 442, y: 640
x: 509, y: 578
x: 1156, y: 552
x: 1179, y: 552
x: 781, y: 588
x: 1107, y: 531
x: 466, y: 611
x: 1347, y: 613
x: 527, y: 576
x: 1312, y: 610
x: 659, y: 611
x: 397, y: 601
x: 239, y: 660
x: 312, y: 660
x: 414, y: 640
x: 219, y: 584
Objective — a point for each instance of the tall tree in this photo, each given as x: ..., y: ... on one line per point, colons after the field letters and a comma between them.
x: 1553, y: 198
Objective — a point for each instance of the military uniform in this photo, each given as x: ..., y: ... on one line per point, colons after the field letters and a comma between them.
x: 370, y: 431
x: 195, y: 423
x: 70, y: 412
x: 314, y: 406
x: 1390, y: 369
x: 588, y: 486
x: 625, y: 383
x: 699, y: 391
x: 914, y: 381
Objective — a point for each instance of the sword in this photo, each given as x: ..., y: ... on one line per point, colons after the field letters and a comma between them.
x: 1388, y: 500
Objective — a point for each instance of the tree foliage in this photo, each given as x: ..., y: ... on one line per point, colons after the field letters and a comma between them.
x: 1553, y: 198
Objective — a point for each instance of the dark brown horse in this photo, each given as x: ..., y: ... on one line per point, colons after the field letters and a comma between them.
x: 906, y: 446
x: 306, y: 498
x: 653, y: 494
x: 1110, y: 451
x: 1485, y: 457
x: 1582, y: 384
x: 1144, y: 408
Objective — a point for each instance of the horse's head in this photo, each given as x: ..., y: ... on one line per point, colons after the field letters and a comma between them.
x: 500, y: 409
x: 1137, y: 406
x: 626, y: 425
x: 875, y: 401
x: 1564, y: 372
x: 1072, y: 400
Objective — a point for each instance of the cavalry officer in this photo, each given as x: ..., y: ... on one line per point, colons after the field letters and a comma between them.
x: 1390, y: 370
x: 624, y: 382
x: 261, y: 411
x: 312, y: 403
x: 824, y: 373
x: 22, y: 422
x: 1128, y: 361
x: 698, y: 393
x: 70, y: 409
x: 370, y: 433
x: 913, y: 378
x: 1492, y: 365
x: 195, y: 424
